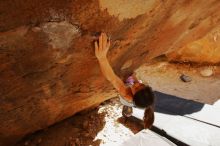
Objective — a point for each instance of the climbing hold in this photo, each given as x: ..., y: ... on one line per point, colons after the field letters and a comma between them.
x: 127, y: 111
x: 185, y: 78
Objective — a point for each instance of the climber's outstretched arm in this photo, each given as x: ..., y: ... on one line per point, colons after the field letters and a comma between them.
x: 101, y: 49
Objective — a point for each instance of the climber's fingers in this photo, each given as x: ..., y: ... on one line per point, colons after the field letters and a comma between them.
x: 104, y: 41
x: 96, y: 46
x: 108, y: 43
x: 102, y: 45
x: 100, y: 42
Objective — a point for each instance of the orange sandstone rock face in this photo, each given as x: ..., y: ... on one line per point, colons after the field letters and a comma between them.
x: 48, y: 70
x: 127, y: 10
x: 204, y: 50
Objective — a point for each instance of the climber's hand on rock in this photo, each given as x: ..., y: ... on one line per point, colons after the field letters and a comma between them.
x: 102, y: 46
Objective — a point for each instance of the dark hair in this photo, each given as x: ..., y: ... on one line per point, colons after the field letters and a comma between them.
x: 145, y: 99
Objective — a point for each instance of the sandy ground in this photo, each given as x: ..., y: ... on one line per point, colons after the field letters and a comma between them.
x: 102, y: 126
x: 165, y: 77
x: 105, y: 126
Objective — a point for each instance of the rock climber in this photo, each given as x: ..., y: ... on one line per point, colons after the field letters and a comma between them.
x: 133, y: 93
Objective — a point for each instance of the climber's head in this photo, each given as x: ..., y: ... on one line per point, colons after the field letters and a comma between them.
x: 143, y: 97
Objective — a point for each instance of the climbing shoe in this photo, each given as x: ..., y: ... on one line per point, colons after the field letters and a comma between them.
x: 127, y: 111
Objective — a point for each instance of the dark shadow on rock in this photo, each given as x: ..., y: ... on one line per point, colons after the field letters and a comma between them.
x: 173, y: 105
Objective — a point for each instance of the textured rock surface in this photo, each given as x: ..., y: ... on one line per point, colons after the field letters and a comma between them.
x: 204, y: 50
x: 47, y: 66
